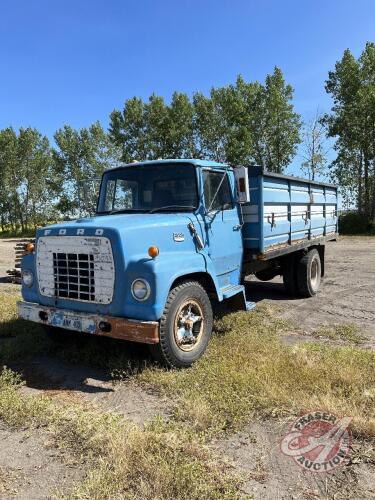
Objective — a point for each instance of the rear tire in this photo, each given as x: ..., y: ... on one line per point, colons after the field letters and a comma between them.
x: 309, y: 272
x: 185, y: 326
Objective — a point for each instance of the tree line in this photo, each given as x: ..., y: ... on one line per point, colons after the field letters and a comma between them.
x: 352, y: 123
x: 245, y: 123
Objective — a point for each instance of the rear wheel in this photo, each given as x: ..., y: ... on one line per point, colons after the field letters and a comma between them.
x: 185, y: 326
x: 309, y: 271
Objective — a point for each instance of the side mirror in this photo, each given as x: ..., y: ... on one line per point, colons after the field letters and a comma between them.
x: 242, y: 184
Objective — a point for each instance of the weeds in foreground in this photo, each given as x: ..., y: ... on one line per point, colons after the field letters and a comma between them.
x: 161, y: 461
x: 249, y: 371
x: 345, y: 333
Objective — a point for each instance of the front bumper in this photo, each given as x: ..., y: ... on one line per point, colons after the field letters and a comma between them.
x: 146, y: 332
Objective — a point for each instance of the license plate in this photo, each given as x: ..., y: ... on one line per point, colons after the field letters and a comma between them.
x: 66, y: 321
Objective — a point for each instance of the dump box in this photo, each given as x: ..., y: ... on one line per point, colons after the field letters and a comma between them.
x: 285, y: 212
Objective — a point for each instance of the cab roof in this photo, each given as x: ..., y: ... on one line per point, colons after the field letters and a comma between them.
x: 190, y: 161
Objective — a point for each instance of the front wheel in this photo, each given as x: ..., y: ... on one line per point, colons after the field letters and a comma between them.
x: 185, y: 326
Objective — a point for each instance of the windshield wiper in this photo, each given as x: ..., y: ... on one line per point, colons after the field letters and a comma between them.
x: 168, y: 207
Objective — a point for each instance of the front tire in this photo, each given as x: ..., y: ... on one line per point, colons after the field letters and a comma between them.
x: 185, y: 326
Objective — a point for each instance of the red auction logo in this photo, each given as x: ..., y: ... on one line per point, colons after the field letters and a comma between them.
x: 318, y: 441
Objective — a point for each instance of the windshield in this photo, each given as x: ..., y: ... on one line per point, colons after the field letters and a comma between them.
x: 145, y: 188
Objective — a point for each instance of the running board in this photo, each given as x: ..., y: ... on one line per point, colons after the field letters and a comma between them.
x: 230, y: 290
x: 237, y: 297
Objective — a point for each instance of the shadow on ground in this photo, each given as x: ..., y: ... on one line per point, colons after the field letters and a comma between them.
x: 256, y: 291
x: 66, y: 360
x: 92, y: 369
x: 51, y: 374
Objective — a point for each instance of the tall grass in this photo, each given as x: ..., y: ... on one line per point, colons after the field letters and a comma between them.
x: 160, y: 461
x: 249, y: 371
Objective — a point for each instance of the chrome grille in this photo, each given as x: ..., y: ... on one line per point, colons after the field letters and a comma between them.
x: 76, y: 268
x: 74, y: 276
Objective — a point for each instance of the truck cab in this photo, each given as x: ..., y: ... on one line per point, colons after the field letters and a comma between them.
x: 165, y: 241
x: 168, y: 240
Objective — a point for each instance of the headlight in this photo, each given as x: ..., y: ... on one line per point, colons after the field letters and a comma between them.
x: 27, y: 278
x: 140, y: 289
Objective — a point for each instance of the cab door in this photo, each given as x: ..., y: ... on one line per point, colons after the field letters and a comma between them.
x: 222, y: 226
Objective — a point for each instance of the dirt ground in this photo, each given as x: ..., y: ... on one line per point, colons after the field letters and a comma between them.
x: 270, y: 475
x: 31, y: 468
x: 347, y: 293
x: 6, y: 257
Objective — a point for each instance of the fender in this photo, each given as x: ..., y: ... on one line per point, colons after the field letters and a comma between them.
x: 161, y: 272
x: 30, y: 294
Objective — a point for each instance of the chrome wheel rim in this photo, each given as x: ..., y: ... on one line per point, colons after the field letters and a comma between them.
x: 315, y: 274
x: 188, y: 325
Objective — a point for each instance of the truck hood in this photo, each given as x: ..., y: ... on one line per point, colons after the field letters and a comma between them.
x: 132, y: 234
x: 126, y: 222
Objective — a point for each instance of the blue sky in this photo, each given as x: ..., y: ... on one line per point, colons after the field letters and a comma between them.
x: 74, y: 61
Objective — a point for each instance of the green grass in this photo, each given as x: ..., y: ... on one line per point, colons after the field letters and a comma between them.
x: 161, y: 461
x: 345, y: 333
x: 30, y: 233
x: 248, y: 372
x: 8, y: 301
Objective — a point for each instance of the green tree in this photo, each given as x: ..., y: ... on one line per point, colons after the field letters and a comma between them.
x: 280, y: 126
x: 157, y: 128
x: 209, y: 128
x: 127, y: 130
x: 244, y: 123
x: 81, y: 156
x: 352, y: 123
x: 26, y: 168
x: 9, y: 200
x: 180, y: 133
x: 36, y: 186
x: 147, y: 131
x: 233, y: 118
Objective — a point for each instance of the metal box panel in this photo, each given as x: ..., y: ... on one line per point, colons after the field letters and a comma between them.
x: 287, y: 211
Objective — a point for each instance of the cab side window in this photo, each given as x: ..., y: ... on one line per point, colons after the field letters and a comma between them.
x: 217, y: 193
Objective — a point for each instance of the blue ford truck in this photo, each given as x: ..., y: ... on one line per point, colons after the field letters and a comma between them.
x: 169, y: 239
